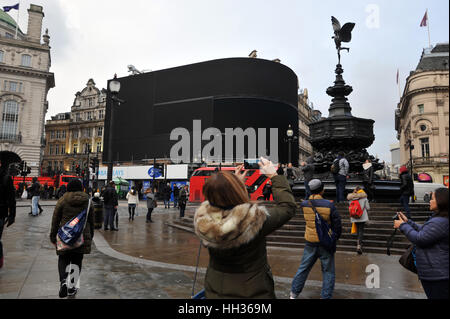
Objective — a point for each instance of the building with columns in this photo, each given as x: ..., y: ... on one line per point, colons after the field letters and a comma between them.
x: 71, y: 136
x: 25, y: 80
x: 421, y: 117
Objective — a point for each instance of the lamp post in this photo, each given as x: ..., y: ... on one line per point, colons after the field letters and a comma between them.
x: 114, y: 88
x: 290, y: 134
x: 411, y: 147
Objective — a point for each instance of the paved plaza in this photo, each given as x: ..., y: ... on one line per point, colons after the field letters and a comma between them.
x: 156, y: 261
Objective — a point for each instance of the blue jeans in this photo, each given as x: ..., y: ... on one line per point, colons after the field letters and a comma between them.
x: 166, y: 203
x: 341, y: 181
x: 110, y: 212
x: 175, y: 201
x: 307, y: 190
x: 34, y: 205
x: 310, y: 255
x: 404, y: 200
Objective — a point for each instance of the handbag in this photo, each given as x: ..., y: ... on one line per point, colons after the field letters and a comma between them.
x: 70, y: 236
x: 327, y: 236
x: 24, y: 194
x: 408, y: 259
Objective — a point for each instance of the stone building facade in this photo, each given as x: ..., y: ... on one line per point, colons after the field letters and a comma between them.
x: 305, y: 117
x: 422, y: 119
x: 25, y: 80
x: 71, y: 136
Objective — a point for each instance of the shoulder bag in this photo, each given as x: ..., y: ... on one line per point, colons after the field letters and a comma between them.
x: 70, y: 236
x: 326, y: 235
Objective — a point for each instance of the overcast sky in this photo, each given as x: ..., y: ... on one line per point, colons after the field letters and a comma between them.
x: 95, y: 39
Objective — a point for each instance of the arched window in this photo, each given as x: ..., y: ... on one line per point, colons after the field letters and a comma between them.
x: 26, y: 60
x: 10, y: 118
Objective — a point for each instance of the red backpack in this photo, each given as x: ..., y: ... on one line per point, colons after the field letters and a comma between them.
x: 355, y: 209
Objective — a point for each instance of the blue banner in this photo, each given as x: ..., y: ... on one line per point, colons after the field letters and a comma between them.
x: 9, y: 8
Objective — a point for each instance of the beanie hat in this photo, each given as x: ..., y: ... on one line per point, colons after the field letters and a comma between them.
x: 315, y: 184
x: 403, y: 169
x: 75, y: 186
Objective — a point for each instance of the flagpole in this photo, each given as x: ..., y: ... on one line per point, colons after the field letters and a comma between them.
x: 428, y: 27
x: 17, y: 21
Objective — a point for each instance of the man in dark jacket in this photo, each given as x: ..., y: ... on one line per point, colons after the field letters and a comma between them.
x: 176, y: 194
x: 35, y: 191
x: 167, y: 191
x: 110, y: 204
x: 406, y: 189
x: 7, y: 205
x: 368, y: 179
x: 308, y: 173
x: 313, y: 248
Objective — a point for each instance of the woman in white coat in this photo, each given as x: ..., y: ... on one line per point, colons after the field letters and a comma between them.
x: 359, y: 195
x: 133, y: 201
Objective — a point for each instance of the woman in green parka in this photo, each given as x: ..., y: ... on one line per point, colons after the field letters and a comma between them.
x: 234, y: 230
x: 69, y: 206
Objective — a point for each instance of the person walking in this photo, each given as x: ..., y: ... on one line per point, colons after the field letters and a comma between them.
x: 176, y: 194
x: 431, y: 241
x: 167, y: 192
x: 7, y: 205
x: 110, y: 204
x: 35, y: 191
x: 69, y: 206
x: 234, y: 230
x: 183, y: 200
x: 313, y: 249
x: 341, y: 176
x: 308, y: 173
x: 151, y: 204
x: 368, y: 180
x: 133, y: 201
x: 267, y: 190
x: 406, y: 189
x: 360, y: 196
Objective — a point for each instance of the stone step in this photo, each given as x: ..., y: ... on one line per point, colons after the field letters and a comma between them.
x: 345, y: 234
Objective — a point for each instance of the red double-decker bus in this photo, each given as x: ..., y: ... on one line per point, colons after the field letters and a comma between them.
x: 254, y: 181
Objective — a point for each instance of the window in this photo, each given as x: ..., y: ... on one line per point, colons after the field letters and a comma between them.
x: 63, y: 149
x: 89, y: 116
x: 87, y: 148
x: 58, y: 135
x: 101, y: 114
x: 13, y: 86
x: 425, y: 143
x: 26, y: 60
x: 52, y: 134
x: 421, y: 108
x: 63, y: 134
x: 78, y: 117
x: 75, y: 134
x: 10, y: 118
x: 75, y: 148
x: 100, y: 131
x: 2, y: 54
x: 56, y: 149
x: 423, y: 127
x: 50, y: 149
x: 99, y: 147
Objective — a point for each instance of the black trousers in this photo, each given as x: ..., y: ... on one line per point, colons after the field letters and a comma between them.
x: 182, y: 209
x: 67, y: 259
x: 360, y: 232
x: 369, y: 191
x: 435, y: 289
x: 131, y: 210
x: 149, y: 214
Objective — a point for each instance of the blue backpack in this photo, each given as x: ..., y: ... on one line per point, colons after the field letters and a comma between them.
x: 73, y: 229
x: 326, y: 235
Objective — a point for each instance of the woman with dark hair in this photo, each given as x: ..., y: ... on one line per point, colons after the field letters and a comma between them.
x: 133, y: 201
x: 69, y: 206
x: 431, y: 242
x: 234, y: 230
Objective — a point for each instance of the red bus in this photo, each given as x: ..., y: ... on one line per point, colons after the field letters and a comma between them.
x: 254, y: 181
x: 56, y: 181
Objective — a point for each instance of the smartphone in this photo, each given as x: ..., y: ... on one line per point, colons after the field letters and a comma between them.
x: 251, y: 164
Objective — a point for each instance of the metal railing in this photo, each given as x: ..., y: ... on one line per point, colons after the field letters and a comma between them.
x: 432, y: 160
x: 11, y: 138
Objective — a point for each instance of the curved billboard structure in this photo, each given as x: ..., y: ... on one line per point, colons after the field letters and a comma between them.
x: 247, y: 95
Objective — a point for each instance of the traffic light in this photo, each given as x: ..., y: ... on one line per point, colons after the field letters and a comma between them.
x: 94, y: 164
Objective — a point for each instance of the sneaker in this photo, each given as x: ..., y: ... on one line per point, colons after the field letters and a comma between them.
x: 292, y: 295
x: 63, y: 290
x: 71, y: 293
x: 106, y: 228
x: 359, y: 250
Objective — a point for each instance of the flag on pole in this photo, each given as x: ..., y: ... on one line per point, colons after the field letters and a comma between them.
x: 424, y: 20
x: 397, y: 75
x: 9, y: 8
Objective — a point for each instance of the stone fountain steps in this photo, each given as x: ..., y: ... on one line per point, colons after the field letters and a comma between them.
x: 376, y: 234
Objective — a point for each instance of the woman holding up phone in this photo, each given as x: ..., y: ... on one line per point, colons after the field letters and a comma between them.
x: 431, y: 240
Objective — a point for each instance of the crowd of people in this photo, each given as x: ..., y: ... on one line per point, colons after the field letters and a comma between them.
x: 234, y: 229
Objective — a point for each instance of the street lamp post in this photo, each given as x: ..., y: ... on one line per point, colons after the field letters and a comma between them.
x: 290, y: 134
x: 411, y: 147
x: 114, y: 88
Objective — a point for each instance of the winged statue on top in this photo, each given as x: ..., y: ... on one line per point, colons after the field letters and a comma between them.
x: 341, y: 34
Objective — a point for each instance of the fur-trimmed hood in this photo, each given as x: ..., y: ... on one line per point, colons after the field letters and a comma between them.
x: 356, y: 196
x: 224, y: 229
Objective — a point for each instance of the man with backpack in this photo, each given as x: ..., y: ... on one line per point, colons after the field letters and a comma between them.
x: 7, y: 204
x: 340, y: 168
x: 314, y: 247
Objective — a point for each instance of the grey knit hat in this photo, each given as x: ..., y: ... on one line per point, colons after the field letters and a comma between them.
x: 314, y: 184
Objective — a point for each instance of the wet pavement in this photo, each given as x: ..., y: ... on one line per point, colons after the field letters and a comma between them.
x: 153, y: 261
